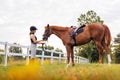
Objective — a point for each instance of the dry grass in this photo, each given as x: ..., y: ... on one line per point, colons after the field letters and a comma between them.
x: 47, y: 71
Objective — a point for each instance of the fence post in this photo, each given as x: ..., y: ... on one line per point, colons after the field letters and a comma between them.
x: 51, y: 57
x: 59, y: 58
x: 6, y: 54
x: 27, y: 59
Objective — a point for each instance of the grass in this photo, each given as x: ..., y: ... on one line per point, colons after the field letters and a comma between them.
x: 47, y: 71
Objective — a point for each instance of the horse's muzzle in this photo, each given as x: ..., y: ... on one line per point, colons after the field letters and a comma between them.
x: 45, y: 38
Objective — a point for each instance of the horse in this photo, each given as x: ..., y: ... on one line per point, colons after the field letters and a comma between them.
x: 99, y: 33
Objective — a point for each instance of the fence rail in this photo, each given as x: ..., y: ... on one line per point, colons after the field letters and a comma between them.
x: 6, y: 54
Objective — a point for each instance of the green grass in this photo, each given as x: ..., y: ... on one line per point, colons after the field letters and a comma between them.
x: 47, y: 71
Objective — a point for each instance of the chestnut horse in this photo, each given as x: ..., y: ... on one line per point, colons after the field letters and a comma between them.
x: 99, y: 33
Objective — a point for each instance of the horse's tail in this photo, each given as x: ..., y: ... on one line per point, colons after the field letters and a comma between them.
x: 107, y: 36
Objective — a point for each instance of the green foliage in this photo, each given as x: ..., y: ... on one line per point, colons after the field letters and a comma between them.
x: 39, y: 52
x: 1, y: 50
x: 1, y: 56
x: 14, y: 49
x: 89, y: 17
x: 48, y: 48
x: 117, y: 39
x: 116, y: 54
x: 89, y: 50
x: 58, y: 50
x: 116, y: 46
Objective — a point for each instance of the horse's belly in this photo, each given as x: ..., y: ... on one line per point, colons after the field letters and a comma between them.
x: 82, y: 40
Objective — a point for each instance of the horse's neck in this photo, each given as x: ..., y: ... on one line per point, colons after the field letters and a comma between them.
x: 59, y: 31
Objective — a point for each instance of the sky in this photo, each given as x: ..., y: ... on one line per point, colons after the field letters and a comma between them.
x: 16, y: 17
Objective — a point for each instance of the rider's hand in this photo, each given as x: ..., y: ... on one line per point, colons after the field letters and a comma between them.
x: 42, y: 42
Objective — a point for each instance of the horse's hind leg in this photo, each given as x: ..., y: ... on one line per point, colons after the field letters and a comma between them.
x: 109, y: 58
x: 107, y: 49
x: 100, y: 50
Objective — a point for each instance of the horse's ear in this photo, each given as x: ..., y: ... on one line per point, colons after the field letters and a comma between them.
x: 47, y: 25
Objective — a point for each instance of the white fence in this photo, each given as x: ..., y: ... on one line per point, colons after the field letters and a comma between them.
x: 62, y: 56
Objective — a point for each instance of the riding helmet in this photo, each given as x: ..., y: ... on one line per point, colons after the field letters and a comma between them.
x: 33, y: 28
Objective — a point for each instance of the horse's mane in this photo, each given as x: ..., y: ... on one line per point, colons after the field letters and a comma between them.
x: 59, y: 28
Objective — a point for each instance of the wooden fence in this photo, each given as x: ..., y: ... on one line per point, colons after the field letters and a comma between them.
x: 62, y: 56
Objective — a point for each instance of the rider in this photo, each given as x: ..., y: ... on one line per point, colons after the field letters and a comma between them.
x: 34, y: 42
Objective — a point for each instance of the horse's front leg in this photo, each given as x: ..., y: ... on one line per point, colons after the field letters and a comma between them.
x: 72, y: 56
x: 68, y: 55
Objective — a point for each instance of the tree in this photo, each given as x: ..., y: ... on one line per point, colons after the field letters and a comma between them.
x: 46, y: 48
x: 49, y: 47
x: 116, y: 47
x: 116, y: 54
x: 58, y: 50
x: 117, y: 39
x: 89, y: 17
x: 88, y: 50
x: 14, y: 49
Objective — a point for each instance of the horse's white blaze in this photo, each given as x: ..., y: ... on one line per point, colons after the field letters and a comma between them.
x: 109, y: 59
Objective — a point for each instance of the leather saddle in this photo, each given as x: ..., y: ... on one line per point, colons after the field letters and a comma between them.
x: 75, y: 31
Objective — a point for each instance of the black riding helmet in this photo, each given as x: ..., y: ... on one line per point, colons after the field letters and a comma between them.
x: 33, y: 28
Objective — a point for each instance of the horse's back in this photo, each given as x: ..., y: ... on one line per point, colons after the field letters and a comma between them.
x: 96, y: 30
x: 95, y: 26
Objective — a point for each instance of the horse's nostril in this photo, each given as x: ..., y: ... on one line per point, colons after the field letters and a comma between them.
x: 44, y: 38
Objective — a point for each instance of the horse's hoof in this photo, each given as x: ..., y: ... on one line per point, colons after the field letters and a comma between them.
x: 109, y: 64
x: 68, y: 65
x: 73, y: 65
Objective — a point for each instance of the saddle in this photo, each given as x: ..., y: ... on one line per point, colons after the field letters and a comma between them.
x: 75, y: 31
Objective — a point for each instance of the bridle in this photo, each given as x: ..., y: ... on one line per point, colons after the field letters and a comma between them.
x: 47, y: 33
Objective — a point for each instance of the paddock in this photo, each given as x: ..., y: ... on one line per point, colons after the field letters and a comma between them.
x: 55, y: 71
